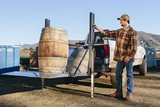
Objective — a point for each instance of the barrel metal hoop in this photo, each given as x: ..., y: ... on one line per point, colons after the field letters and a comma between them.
x: 55, y: 32
x: 54, y: 58
x: 54, y: 67
x: 52, y: 41
x: 52, y: 71
x: 58, y: 28
x: 59, y: 32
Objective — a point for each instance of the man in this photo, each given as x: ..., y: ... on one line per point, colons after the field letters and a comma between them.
x: 125, y: 49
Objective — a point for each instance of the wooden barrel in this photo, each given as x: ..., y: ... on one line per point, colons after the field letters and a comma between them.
x: 79, y: 58
x: 53, y: 50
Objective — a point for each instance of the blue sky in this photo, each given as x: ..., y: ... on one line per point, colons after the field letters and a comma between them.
x: 21, y: 21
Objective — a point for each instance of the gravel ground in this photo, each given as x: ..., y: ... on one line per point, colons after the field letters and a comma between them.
x: 26, y: 92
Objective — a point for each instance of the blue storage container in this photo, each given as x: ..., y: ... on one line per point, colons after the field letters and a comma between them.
x: 151, y: 57
x: 2, y: 57
x: 9, y: 58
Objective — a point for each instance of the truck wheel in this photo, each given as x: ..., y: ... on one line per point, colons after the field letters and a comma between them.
x: 143, y: 67
x: 113, y: 79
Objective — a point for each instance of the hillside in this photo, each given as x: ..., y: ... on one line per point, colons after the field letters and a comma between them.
x: 150, y: 40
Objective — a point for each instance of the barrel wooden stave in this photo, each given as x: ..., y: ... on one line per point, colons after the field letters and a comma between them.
x: 53, y: 49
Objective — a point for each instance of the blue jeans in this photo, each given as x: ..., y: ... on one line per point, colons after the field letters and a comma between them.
x: 119, y: 71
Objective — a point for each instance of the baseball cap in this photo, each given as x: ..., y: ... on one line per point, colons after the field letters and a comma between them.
x: 124, y: 16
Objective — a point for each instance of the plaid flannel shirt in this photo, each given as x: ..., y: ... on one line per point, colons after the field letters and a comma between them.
x: 126, y: 43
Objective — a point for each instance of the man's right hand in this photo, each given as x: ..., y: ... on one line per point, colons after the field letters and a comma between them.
x: 95, y: 27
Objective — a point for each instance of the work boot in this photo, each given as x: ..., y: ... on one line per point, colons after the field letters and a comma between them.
x: 116, y: 95
x: 129, y: 97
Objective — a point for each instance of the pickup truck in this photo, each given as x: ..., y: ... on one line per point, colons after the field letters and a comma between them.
x: 104, y: 63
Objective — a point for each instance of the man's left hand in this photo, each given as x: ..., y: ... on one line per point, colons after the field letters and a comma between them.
x: 126, y: 60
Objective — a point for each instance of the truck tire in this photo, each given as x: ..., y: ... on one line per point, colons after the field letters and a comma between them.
x: 143, y: 67
x: 113, y: 79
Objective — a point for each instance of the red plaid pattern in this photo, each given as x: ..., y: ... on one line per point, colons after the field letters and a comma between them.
x: 126, y: 43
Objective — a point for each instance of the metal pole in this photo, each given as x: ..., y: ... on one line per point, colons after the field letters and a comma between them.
x: 47, y: 23
x: 91, y: 53
x: 42, y: 84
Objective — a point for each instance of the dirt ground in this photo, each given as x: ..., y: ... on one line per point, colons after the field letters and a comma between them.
x: 26, y: 92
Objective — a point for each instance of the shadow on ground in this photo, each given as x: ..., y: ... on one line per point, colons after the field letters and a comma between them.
x: 13, y: 84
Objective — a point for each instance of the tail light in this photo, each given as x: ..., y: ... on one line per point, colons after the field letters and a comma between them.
x: 106, y: 30
x: 106, y: 48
